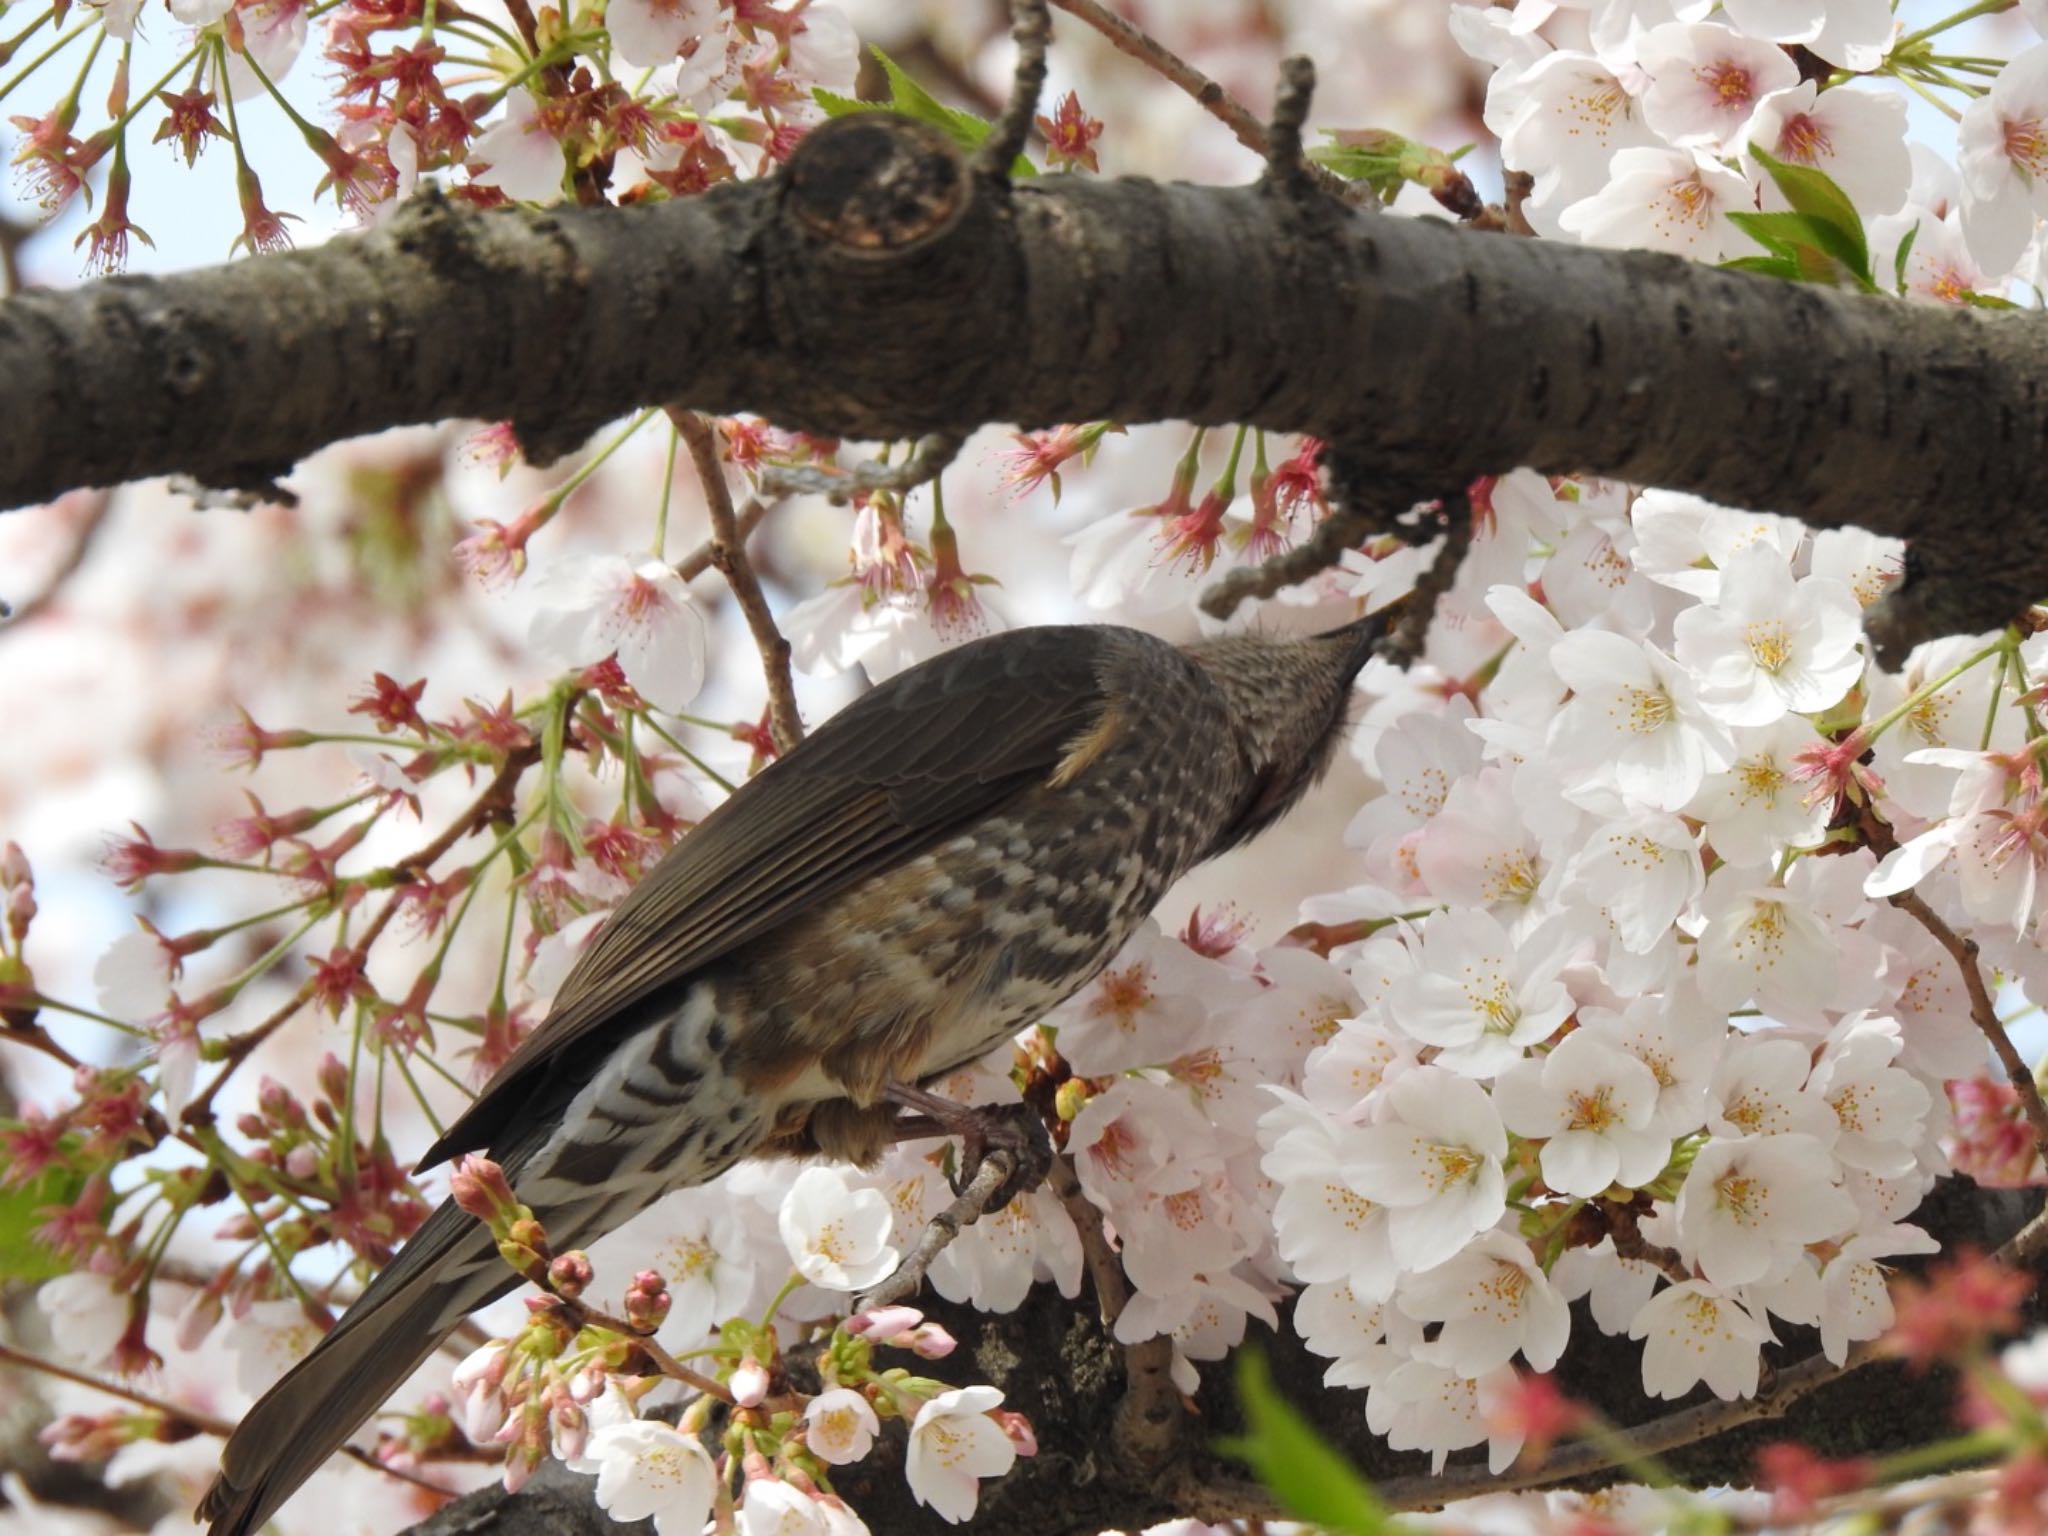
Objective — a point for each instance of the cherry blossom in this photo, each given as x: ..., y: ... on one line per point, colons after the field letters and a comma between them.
x: 1494, y: 1302
x: 1749, y: 1206
x: 1595, y: 1107
x: 839, y: 1426
x: 1706, y: 81
x: 837, y: 1236
x: 1858, y: 138
x: 1664, y: 200
x: 1756, y: 806
x: 518, y: 154
x: 1856, y: 1302
x: 1633, y: 720
x: 650, y: 33
x: 598, y: 605
x: 1480, y: 997
x: 2002, y: 146
x: 1435, y: 1159
x: 954, y: 1443
x: 1694, y: 1332
x: 647, y: 1469
x: 1771, y: 645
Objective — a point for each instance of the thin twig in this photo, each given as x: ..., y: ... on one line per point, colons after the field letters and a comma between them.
x: 1983, y: 1011
x: 1150, y: 1419
x: 995, y: 1171
x: 840, y: 486
x: 1031, y: 30
x: 1346, y: 527
x: 729, y: 554
x: 1403, y: 645
x: 1287, y: 164
x: 179, y: 1417
x: 1208, y: 94
x: 89, y: 525
x: 699, y: 560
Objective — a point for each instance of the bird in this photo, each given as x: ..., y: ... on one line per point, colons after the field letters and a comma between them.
x: 936, y: 866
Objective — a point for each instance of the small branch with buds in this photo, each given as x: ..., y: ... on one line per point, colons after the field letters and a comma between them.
x: 729, y: 554
x: 479, y: 1186
x: 182, y: 1423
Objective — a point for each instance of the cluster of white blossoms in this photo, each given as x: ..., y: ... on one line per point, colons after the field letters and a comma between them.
x: 1618, y: 954
x: 1640, y: 119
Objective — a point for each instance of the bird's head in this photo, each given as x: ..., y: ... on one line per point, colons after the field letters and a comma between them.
x: 1289, y: 702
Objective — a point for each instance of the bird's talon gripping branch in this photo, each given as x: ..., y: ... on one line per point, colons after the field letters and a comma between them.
x: 1017, y: 1130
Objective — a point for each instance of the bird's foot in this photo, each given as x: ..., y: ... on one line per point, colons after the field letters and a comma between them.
x: 1016, y: 1129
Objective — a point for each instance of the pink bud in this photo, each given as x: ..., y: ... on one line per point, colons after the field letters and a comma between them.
x: 884, y: 1322
x: 303, y: 1161
x: 1019, y: 1429
x: 570, y: 1274
x: 931, y: 1341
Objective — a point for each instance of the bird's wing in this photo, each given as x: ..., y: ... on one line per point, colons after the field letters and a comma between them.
x: 887, y: 778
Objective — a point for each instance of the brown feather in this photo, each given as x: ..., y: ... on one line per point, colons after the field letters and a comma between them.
x: 899, y: 770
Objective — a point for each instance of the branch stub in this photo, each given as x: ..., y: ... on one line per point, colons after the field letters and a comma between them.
x: 876, y: 183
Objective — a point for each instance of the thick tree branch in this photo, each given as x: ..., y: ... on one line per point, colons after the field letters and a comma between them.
x: 876, y: 289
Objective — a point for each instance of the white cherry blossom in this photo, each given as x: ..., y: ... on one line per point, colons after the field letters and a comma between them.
x: 1857, y: 138
x: 953, y: 1445
x: 1856, y: 1301
x: 1771, y: 645
x: 2002, y: 149
x: 1643, y: 872
x: 1633, y: 721
x: 1480, y: 997
x: 1881, y: 1107
x: 1494, y: 1302
x: 1749, y: 1206
x: 837, y: 1236
x: 518, y: 154
x: 1850, y: 34
x: 649, y: 1469
x: 1694, y: 1332
x: 593, y: 606
x: 1594, y: 1106
x: 1435, y: 1159
x: 1757, y: 806
x: 650, y: 33
x: 1665, y: 200
x: 1324, y: 1226
x: 1422, y: 1406
x: 1364, y: 1340
x: 1761, y: 945
x: 839, y: 1426
x: 1706, y: 81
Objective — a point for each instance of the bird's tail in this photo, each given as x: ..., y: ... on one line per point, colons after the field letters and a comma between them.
x: 446, y: 1270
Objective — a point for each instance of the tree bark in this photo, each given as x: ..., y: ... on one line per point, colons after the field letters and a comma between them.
x: 877, y: 288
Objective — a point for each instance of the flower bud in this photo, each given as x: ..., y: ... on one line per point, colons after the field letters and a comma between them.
x: 749, y: 1383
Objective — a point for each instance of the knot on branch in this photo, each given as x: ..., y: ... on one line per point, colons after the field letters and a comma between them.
x: 876, y: 183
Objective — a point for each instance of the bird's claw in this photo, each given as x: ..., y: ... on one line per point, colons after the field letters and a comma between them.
x: 1017, y: 1129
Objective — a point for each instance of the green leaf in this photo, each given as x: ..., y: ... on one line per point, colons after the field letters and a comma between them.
x: 22, y: 1257
x: 1899, y: 261
x: 1815, y: 194
x: 909, y: 99
x: 1813, y: 245
x: 1313, y: 1482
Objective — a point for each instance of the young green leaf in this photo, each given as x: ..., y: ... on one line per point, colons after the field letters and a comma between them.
x: 1312, y: 1481
x: 909, y: 99
x: 1814, y: 193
